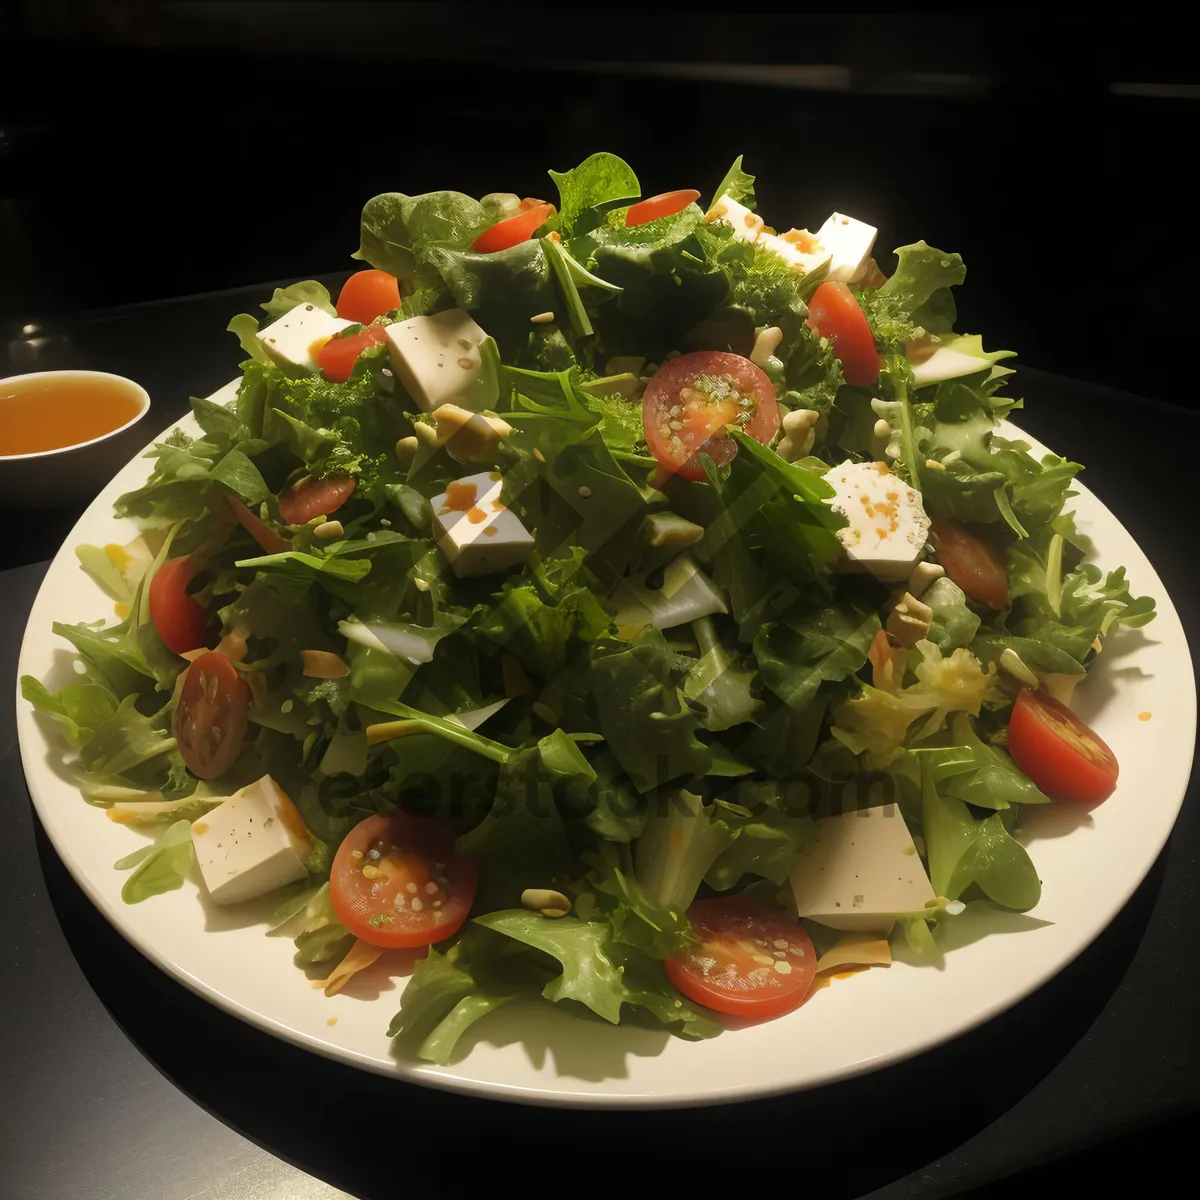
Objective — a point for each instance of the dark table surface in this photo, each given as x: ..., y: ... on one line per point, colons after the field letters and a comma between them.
x: 118, y: 1083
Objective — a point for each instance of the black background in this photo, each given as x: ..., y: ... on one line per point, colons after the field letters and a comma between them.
x: 157, y: 149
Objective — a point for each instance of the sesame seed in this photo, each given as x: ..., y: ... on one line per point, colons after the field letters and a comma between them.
x: 585, y: 492
x: 780, y: 943
x: 430, y: 888
x: 783, y: 968
x: 401, y: 900
x: 356, y: 854
x: 418, y: 904
x: 437, y: 904
x: 411, y: 888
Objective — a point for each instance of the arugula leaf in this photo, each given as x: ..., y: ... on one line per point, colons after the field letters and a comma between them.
x: 814, y: 643
x: 161, y: 867
x: 768, y: 833
x: 970, y: 770
x: 963, y: 852
x: 737, y: 185
x: 599, y: 178
x: 648, y: 724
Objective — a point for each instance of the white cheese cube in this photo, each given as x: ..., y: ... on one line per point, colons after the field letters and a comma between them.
x: 886, y: 526
x: 850, y: 243
x: 798, y: 248
x: 746, y: 224
x: 438, y: 360
x: 295, y: 340
x: 475, y: 531
x: 251, y: 844
x: 859, y: 871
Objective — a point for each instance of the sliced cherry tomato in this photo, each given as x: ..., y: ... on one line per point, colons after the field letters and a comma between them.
x: 178, y: 618
x: 665, y: 205
x: 209, y: 721
x: 750, y: 961
x: 308, y: 498
x: 834, y: 313
x: 257, y: 528
x: 512, y: 230
x: 691, y: 399
x: 970, y: 562
x: 396, y: 881
x: 367, y: 295
x: 337, y: 357
x: 1062, y: 755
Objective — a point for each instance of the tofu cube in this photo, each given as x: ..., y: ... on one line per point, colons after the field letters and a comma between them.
x: 798, y: 247
x: 860, y: 870
x: 850, y: 243
x: 746, y: 224
x: 886, y: 526
x: 251, y: 844
x: 476, y: 532
x: 438, y: 360
x: 295, y: 340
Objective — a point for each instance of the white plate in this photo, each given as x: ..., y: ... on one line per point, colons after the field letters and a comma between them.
x: 853, y: 1026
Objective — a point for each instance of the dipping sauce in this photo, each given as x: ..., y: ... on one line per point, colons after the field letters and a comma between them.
x: 37, y: 414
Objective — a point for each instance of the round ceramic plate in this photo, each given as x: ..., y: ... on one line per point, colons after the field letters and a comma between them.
x: 1140, y: 698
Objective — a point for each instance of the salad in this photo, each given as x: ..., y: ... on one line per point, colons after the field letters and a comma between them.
x: 643, y: 610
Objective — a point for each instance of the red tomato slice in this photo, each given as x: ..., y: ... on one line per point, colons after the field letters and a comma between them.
x: 970, y: 562
x: 396, y: 881
x: 308, y: 498
x: 178, y: 618
x: 367, y: 295
x: 209, y: 721
x: 337, y: 357
x: 834, y: 313
x: 691, y: 399
x: 512, y: 230
x: 257, y: 528
x: 750, y: 961
x: 1061, y: 754
x: 665, y: 205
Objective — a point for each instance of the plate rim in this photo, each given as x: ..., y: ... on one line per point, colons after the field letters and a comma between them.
x: 31, y: 742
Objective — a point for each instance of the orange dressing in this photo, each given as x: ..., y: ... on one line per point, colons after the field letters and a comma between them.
x: 460, y: 497
x: 37, y: 415
x: 476, y: 515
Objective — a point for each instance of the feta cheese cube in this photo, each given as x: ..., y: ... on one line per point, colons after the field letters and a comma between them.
x: 475, y: 531
x: 798, y: 247
x: 251, y: 844
x: 295, y: 340
x: 886, y: 526
x: 860, y: 869
x: 850, y: 243
x: 746, y: 224
x: 439, y: 361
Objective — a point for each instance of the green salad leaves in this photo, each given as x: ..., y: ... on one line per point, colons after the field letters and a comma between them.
x: 664, y: 697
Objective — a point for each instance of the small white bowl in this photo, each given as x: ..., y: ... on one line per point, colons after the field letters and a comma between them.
x: 69, y: 475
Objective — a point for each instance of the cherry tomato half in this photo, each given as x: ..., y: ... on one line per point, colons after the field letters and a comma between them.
x: 367, y: 295
x: 834, y: 313
x: 269, y: 541
x: 970, y: 562
x: 178, y: 618
x: 337, y: 357
x: 1061, y: 754
x: 396, y: 881
x: 512, y: 230
x: 750, y: 961
x: 691, y: 399
x: 665, y: 205
x: 308, y: 498
x: 209, y: 721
